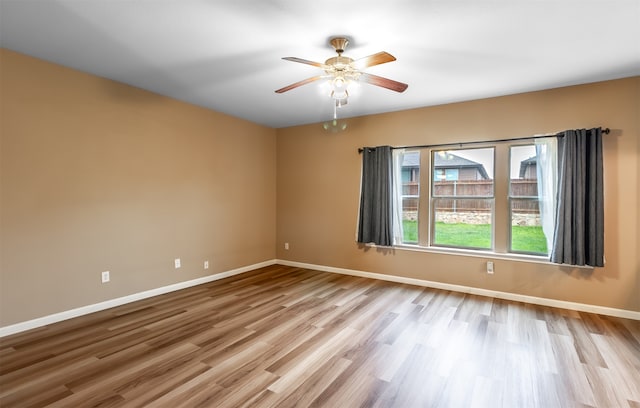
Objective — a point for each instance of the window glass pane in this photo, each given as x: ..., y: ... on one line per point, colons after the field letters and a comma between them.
x: 451, y: 174
x: 410, y: 196
x: 526, y: 229
x: 463, y: 173
x: 523, y: 172
x: 462, y: 222
x: 527, y: 234
x: 462, y: 198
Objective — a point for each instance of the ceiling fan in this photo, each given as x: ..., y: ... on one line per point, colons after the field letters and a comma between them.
x: 342, y: 70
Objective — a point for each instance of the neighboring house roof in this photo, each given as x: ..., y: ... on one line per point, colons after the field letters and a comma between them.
x: 411, y: 159
x: 531, y: 161
x: 449, y: 161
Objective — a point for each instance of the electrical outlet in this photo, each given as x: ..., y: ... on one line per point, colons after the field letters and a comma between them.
x: 206, y: 264
x: 490, y: 267
x: 286, y: 246
x: 105, y: 277
x: 176, y: 262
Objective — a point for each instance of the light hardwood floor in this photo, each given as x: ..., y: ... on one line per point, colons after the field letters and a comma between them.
x: 289, y: 337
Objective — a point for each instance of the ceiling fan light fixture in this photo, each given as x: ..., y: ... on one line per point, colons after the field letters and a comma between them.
x: 339, y: 90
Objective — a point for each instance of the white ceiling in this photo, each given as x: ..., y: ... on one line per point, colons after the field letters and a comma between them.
x: 226, y: 55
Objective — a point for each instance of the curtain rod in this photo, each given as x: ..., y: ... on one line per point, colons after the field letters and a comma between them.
x: 606, y: 131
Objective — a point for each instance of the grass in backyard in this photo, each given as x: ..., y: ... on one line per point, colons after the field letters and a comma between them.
x: 410, y: 230
x: 525, y: 238
x: 528, y: 239
x: 463, y: 235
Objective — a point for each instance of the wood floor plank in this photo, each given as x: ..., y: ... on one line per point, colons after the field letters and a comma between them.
x: 292, y: 337
x: 297, y: 371
x: 410, y: 390
x: 576, y: 384
x: 618, y: 358
x: 314, y: 385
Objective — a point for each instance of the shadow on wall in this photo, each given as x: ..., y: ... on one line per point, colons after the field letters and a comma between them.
x: 381, y: 250
x: 580, y: 273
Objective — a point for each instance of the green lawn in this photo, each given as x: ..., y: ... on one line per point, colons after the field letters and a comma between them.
x: 528, y: 239
x: 410, y: 230
x: 525, y: 239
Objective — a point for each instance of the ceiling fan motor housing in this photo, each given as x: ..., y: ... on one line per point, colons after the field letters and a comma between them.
x: 340, y: 66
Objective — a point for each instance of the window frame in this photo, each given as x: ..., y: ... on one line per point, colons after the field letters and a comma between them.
x: 433, y: 198
x: 501, y: 230
x: 511, y: 198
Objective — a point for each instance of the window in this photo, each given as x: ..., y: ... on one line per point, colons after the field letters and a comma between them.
x: 526, y: 233
x: 485, y: 198
x: 446, y: 174
x: 410, y: 196
x: 462, y: 198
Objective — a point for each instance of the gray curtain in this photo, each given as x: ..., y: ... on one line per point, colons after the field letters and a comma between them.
x: 579, y: 230
x: 374, y: 221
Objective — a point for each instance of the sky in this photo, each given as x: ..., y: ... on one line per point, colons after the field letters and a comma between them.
x: 485, y: 157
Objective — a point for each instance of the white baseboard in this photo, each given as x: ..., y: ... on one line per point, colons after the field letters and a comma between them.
x: 84, y: 310
x: 582, y: 307
x: 81, y: 311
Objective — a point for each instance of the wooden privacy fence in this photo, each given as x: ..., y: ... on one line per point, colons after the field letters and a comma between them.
x: 468, y: 189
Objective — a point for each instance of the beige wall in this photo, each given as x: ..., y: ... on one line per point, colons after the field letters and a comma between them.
x: 318, y: 177
x: 97, y: 175
x: 100, y: 176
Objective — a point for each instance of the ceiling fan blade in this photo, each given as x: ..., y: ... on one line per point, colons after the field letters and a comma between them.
x: 304, y: 61
x: 299, y: 83
x: 374, y: 59
x: 383, y: 82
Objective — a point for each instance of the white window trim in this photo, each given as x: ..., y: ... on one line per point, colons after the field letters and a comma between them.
x: 426, y: 245
x: 476, y: 253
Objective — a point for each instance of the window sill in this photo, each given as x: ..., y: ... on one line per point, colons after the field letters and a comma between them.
x: 484, y: 254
